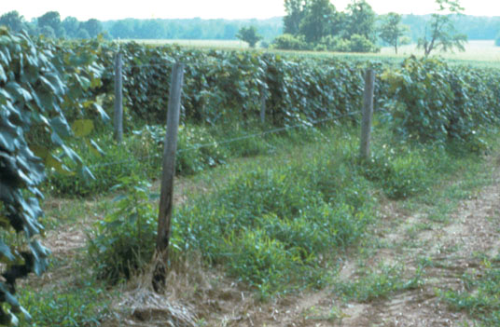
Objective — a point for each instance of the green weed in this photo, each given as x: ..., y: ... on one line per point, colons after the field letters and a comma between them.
x: 140, y: 154
x: 274, y: 226
x: 123, y: 243
x: 75, y: 306
x: 378, y: 284
x: 480, y: 298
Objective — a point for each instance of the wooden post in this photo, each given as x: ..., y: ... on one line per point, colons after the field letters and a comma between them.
x: 366, y: 123
x: 262, y: 105
x: 167, y: 181
x: 118, y: 117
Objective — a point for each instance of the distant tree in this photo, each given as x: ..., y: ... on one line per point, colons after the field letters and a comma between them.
x: 51, y: 19
x: 359, y: 43
x: 392, y: 31
x: 290, y: 42
x: 295, y: 12
x: 48, y: 32
x: 230, y: 32
x: 360, y: 20
x: 93, y: 27
x: 71, y: 25
x: 194, y: 32
x: 249, y: 35
x: 32, y: 29
x: 440, y: 34
x: 123, y: 29
x: 151, y: 29
x: 82, y: 34
x: 13, y: 21
x: 319, y: 20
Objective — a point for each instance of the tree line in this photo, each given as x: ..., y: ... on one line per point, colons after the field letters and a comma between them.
x: 317, y: 25
x: 341, y: 27
x: 50, y: 25
x: 190, y: 29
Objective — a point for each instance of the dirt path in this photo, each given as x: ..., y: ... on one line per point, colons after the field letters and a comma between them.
x: 440, y: 252
x: 449, y: 250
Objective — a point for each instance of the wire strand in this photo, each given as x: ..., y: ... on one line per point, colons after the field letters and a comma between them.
x: 229, y: 141
x: 277, y: 130
x: 149, y: 65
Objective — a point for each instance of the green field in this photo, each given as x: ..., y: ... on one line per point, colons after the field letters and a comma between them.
x: 478, y: 53
x: 475, y: 50
x: 208, y: 44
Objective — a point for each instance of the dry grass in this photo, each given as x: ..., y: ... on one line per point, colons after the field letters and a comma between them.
x: 195, y: 295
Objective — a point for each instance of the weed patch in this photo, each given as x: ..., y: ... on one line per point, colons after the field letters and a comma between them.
x: 123, y: 243
x: 480, y: 297
x: 274, y: 226
x: 75, y: 306
x: 378, y: 284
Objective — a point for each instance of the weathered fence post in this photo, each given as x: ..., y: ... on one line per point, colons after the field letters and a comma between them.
x: 118, y: 116
x: 167, y: 181
x: 366, y: 123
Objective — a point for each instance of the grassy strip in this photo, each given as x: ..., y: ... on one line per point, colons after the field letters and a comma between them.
x: 275, y: 223
x: 75, y: 299
x: 276, y: 226
x: 480, y: 298
x: 141, y: 153
x: 82, y: 305
x: 378, y: 283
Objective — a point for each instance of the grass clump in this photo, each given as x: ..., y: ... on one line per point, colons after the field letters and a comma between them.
x: 275, y: 224
x: 378, y: 284
x: 107, y: 166
x: 403, y: 170
x: 198, y: 150
x: 399, y: 172
x: 480, y: 298
x: 74, y: 306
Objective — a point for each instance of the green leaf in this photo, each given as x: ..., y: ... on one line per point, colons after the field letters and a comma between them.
x: 19, y: 91
x: 7, y: 140
x: 82, y: 127
x: 3, y: 76
x: 95, y: 148
x: 41, y: 253
x: 102, y: 113
x: 58, y: 166
x: 5, y: 251
x: 60, y: 126
x: 71, y: 154
x: 87, y: 173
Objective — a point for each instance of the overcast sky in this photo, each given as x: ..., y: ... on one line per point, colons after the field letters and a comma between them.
x: 228, y: 9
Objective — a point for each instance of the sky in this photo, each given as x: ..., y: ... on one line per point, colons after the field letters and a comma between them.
x: 207, y: 9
